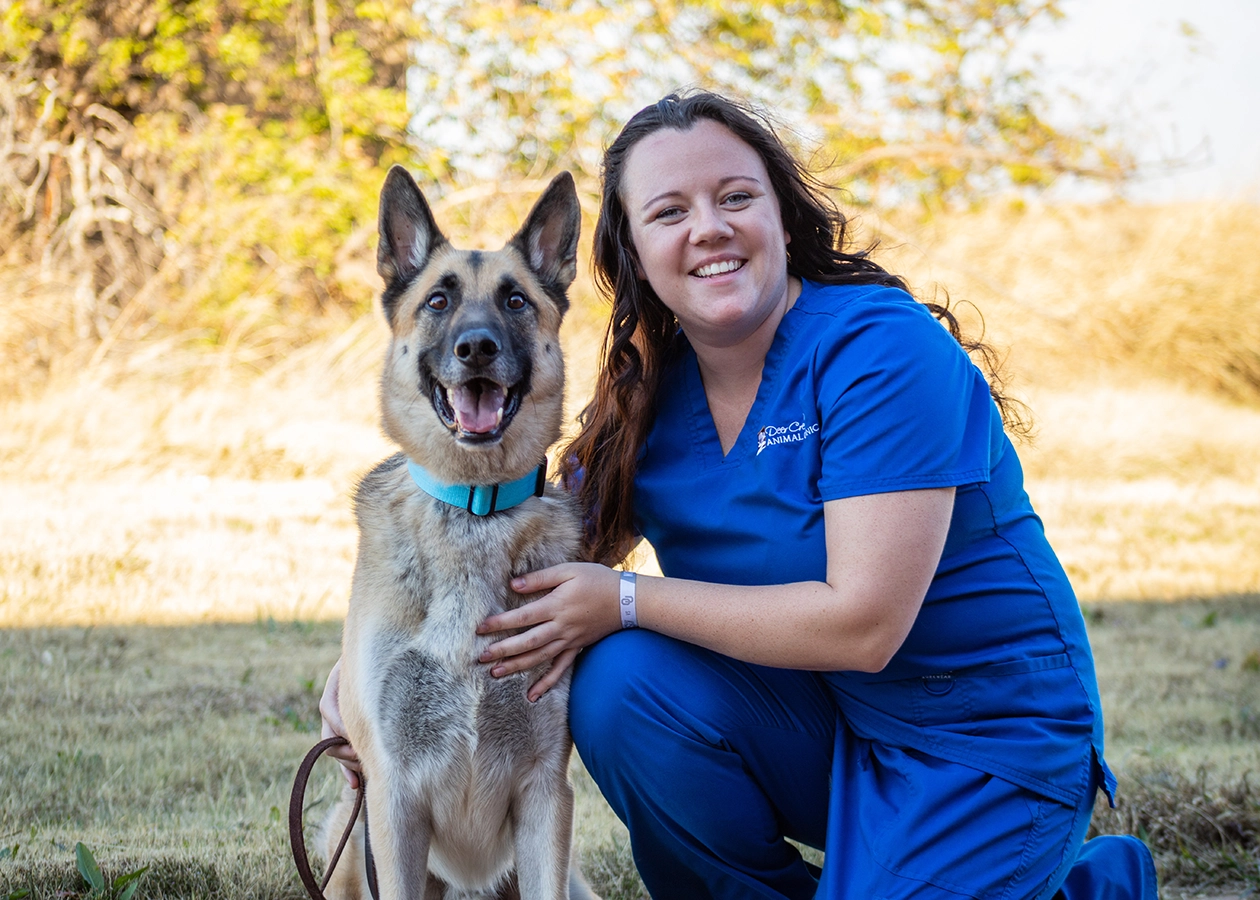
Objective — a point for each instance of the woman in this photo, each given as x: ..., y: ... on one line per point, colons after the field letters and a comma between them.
x: 862, y: 641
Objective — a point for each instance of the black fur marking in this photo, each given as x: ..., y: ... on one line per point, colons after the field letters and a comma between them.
x: 422, y: 702
x: 559, y: 295
x: 475, y: 260
x: 450, y: 285
x: 502, y: 716
x: 509, y: 286
x: 430, y: 387
x: 410, y: 576
x: 391, y: 295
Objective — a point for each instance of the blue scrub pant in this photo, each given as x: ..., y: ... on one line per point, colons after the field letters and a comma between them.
x: 713, y: 763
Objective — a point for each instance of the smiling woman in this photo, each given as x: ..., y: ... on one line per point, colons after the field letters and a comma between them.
x: 862, y: 640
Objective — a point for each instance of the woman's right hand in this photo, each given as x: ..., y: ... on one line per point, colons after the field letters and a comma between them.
x: 330, y: 714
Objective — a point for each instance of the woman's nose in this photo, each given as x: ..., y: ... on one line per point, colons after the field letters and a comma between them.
x: 708, y: 224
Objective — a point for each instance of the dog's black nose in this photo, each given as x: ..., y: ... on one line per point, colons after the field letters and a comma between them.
x: 476, y: 347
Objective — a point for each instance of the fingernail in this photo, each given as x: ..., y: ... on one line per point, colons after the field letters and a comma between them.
x: 518, y: 584
x: 498, y: 671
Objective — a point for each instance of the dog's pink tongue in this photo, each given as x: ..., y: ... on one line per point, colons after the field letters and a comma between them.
x: 478, y: 407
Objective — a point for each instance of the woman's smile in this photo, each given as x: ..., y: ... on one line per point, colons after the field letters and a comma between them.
x: 708, y: 270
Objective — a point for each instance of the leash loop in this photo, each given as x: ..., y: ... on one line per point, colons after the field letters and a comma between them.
x: 296, y: 840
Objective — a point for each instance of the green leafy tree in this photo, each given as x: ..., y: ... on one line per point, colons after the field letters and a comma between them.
x: 196, y: 163
x: 908, y: 98
x: 212, y: 166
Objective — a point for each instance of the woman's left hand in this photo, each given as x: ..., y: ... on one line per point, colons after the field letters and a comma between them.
x: 580, y: 609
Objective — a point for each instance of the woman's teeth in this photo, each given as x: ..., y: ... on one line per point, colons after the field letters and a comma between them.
x: 718, y: 268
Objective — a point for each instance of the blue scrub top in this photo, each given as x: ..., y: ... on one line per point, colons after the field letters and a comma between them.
x: 864, y: 392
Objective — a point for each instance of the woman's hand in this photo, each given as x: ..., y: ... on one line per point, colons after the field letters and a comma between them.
x: 580, y: 609
x: 330, y: 714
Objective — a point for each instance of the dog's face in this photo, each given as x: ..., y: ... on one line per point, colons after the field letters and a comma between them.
x: 473, y: 386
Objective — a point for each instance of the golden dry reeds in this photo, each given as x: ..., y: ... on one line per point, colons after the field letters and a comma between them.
x: 159, y: 480
x: 1128, y: 291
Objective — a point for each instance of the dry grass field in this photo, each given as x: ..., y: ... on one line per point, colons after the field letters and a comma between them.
x: 176, y: 546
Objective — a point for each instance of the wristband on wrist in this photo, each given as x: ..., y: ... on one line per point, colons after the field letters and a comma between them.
x: 629, y: 617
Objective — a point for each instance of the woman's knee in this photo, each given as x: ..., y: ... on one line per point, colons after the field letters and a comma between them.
x: 637, y: 692
x: 642, y: 687
x: 607, y: 681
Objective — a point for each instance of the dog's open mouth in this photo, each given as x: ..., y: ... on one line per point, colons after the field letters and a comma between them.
x: 478, y: 410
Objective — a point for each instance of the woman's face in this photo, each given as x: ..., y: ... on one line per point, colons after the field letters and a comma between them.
x: 707, y: 229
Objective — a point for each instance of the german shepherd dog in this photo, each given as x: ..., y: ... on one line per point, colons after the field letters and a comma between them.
x: 467, y: 789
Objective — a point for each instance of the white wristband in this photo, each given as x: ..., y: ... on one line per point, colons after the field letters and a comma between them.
x: 629, y: 617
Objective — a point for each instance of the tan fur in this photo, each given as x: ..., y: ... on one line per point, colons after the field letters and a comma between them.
x: 467, y: 782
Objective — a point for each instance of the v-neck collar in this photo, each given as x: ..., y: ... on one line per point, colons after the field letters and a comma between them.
x: 704, y: 433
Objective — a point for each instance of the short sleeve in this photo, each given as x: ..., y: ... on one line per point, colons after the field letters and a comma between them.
x: 901, y: 405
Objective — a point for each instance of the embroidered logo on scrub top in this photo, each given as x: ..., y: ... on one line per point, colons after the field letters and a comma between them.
x: 769, y: 435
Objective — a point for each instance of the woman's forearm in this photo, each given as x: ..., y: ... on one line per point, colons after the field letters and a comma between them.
x: 882, y: 551
x: 806, y: 625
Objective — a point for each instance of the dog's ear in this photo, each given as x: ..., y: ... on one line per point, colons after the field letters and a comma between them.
x: 549, y: 237
x: 408, y: 233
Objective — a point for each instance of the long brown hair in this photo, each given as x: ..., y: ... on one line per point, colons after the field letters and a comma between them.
x: 643, y: 334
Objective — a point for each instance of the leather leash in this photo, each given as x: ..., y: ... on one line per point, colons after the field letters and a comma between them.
x: 296, y: 802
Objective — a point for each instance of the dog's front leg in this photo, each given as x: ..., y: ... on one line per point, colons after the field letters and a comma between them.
x: 349, y: 879
x: 398, y: 829
x: 543, y: 825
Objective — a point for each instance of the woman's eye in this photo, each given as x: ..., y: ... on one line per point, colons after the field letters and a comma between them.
x: 437, y: 301
x: 737, y: 198
x: 516, y: 301
x: 669, y: 212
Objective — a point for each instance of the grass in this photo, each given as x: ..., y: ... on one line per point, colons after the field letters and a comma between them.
x: 1181, y: 693
x: 175, y: 747
x: 176, y: 547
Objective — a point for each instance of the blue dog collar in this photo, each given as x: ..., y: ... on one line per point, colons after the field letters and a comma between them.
x: 481, y: 499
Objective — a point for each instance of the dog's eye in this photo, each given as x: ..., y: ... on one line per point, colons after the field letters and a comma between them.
x: 516, y: 301
x: 437, y: 301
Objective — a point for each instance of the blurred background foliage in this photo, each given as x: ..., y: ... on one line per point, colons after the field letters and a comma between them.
x: 202, y: 166
x: 205, y: 173
x: 909, y: 100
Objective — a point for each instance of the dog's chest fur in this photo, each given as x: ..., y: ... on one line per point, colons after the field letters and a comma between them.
x: 436, y: 572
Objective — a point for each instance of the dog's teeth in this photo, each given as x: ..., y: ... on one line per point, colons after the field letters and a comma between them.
x: 498, y: 417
